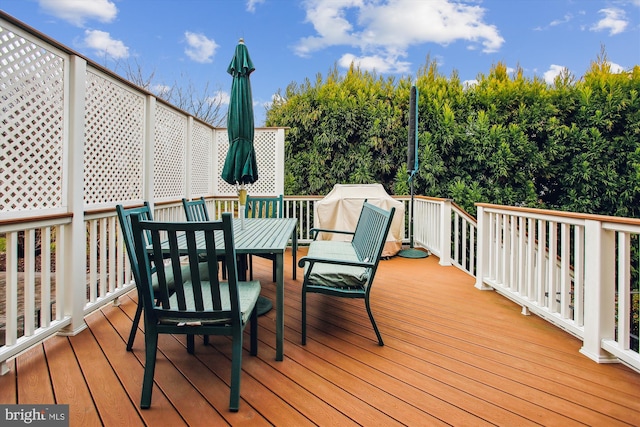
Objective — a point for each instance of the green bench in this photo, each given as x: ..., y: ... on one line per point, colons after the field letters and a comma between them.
x: 346, y: 269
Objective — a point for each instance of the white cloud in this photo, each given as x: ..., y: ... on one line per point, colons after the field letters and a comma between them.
x: 568, y: 17
x: 77, y: 12
x: 276, y: 98
x: 199, y: 47
x: 104, y: 45
x: 160, y: 89
x: 251, y: 5
x: 616, y: 68
x: 384, y: 30
x: 553, y: 72
x: 220, y: 97
x: 390, y: 64
x: 615, y: 20
x: 469, y: 83
x: 556, y: 22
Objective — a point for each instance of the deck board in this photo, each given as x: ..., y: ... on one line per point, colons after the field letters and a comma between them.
x: 104, y: 385
x: 68, y: 382
x: 8, y: 383
x: 34, y: 384
x: 453, y: 355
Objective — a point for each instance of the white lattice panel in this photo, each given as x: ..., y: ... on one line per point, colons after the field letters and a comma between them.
x: 169, y: 156
x: 114, y: 142
x: 201, y: 169
x: 264, y: 143
x: 32, y: 94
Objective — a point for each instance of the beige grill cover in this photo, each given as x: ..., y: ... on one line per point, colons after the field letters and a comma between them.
x: 340, y: 210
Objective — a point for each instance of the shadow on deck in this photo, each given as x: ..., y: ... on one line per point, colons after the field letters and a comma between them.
x: 453, y: 355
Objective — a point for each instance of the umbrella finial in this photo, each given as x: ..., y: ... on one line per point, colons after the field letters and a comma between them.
x: 241, y: 40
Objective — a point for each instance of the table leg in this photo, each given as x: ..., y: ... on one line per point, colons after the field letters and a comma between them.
x: 280, y: 306
x: 294, y: 248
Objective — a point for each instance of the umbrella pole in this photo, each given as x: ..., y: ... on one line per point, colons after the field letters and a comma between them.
x: 412, y: 252
x: 242, y: 199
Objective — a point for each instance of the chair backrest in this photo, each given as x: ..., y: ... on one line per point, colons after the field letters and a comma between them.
x: 264, y: 207
x: 371, y: 232
x: 195, y: 298
x: 196, y: 210
x: 124, y: 217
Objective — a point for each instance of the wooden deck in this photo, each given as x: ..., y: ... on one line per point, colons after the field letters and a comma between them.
x: 454, y: 355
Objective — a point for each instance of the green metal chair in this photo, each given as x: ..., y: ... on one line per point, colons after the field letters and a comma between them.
x: 196, y: 210
x: 346, y: 269
x: 264, y: 207
x: 124, y: 217
x: 198, y: 306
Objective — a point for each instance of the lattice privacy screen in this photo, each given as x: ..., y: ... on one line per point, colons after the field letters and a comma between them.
x: 169, y: 161
x: 34, y: 116
x: 265, y: 145
x: 31, y: 117
x: 114, y: 142
x: 201, y: 167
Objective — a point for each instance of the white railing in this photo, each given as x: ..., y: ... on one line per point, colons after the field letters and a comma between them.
x: 108, y: 269
x: 573, y: 270
x: 447, y: 231
x: 512, y: 247
x: 41, y: 312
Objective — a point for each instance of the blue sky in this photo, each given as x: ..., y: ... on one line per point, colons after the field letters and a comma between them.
x: 192, y: 41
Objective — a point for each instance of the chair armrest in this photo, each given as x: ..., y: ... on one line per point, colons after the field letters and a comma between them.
x: 313, y: 260
x: 315, y: 231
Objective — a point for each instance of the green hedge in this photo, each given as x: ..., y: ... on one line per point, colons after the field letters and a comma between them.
x: 508, y: 139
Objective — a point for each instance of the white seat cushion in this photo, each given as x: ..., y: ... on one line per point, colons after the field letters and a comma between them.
x: 334, y: 275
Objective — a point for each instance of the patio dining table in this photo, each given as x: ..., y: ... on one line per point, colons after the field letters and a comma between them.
x: 262, y: 235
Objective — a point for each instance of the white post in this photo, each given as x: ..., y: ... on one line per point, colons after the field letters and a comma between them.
x: 75, y: 279
x: 599, y: 296
x: 148, y: 152
x: 188, y: 160
x: 445, y: 233
x: 279, y: 160
x: 483, y: 249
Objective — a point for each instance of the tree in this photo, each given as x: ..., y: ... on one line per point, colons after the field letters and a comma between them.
x: 204, y: 104
x: 573, y: 145
x: 344, y: 129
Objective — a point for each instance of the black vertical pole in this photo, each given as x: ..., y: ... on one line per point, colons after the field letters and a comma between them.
x: 412, y: 168
x: 411, y: 216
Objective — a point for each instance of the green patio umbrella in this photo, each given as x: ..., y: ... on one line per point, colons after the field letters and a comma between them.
x: 240, y: 164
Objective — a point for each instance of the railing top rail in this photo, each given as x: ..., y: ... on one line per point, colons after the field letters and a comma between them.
x: 563, y: 214
x: 35, y: 219
x: 433, y: 199
x: 19, y: 224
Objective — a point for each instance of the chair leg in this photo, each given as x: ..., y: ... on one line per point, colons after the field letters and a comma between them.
x: 134, y: 327
x: 304, y: 316
x: 151, y: 348
x: 373, y: 322
x: 191, y: 346
x: 274, y: 271
x: 236, y: 367
x: 254, y: 331
x: 243, y: 265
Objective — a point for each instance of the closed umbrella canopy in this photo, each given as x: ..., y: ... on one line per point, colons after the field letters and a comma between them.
x: 240, y: 164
